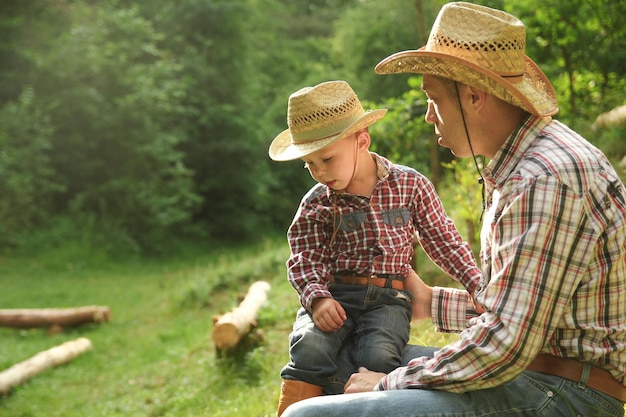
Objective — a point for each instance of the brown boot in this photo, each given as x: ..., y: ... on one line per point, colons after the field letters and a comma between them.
x: 292, y: 391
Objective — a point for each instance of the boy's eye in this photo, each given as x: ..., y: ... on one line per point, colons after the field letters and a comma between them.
x: 327, y: 159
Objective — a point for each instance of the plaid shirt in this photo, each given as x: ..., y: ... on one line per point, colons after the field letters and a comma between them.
x: 553, y: 255
x: 373, y: 235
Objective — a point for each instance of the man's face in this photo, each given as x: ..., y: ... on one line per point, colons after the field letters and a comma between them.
x: 444, y: 112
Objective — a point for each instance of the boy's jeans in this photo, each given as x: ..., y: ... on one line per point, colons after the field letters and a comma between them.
x: 377, y: 329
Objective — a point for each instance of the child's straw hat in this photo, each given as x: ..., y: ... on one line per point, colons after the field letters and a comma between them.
x: 483, y: 48
x: 318, y: 116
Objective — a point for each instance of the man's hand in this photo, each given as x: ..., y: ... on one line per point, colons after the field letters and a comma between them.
x: 422, y: 296
x: 328, y: 314
x: 363, y: 381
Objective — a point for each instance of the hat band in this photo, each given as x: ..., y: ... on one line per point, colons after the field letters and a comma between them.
x: 324, y: 131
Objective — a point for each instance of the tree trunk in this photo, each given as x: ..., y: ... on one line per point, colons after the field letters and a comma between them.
x: 49, y: 317
x: 23, y: 371
x: 229, y: 329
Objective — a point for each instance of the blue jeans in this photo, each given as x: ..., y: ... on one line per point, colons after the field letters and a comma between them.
x: 532, y: 394
x: 377, y: 329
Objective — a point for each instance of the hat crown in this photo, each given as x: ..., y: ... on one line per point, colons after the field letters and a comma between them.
x: 321, y: 111
x: 490, y: 38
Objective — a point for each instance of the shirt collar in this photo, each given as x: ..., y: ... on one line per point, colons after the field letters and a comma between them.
x: 514, y: 148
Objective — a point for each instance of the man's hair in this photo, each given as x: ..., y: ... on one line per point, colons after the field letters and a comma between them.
x: 449, y: 87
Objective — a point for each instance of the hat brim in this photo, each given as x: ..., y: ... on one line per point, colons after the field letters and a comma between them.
x: 533, y: 92
x: 283, y: 148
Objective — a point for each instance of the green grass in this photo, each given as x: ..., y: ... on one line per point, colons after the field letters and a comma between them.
x: 156, y: 357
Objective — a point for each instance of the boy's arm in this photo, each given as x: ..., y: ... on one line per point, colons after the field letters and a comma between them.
x: 422, y: 296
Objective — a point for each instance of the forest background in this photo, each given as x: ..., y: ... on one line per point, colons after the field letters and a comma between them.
x: 130, y: 126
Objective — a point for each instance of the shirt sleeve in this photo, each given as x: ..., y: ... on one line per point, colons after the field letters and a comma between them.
x: 307, y: 266
x: 451, y: 309
x: 441, y: 240
x: 541, y: 242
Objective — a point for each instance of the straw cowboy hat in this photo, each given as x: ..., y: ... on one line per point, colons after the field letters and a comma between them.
x: 483, y: 48
x: 318, y: 116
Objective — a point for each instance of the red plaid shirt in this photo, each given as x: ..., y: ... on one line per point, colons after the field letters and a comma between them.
x: 374, y: 235
x: 553, y: 255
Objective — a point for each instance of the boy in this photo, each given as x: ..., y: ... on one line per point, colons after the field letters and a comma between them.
x: 352, y: 242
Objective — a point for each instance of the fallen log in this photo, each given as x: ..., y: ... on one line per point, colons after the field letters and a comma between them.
x: 230, y: 328
x: 53, y: 317
x: 23, y: 371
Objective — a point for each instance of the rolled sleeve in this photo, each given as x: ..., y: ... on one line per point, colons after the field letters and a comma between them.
x: 451, y: 309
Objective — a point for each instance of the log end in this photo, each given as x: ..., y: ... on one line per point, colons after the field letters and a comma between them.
x: 101, y: 315
x: 225, y: 336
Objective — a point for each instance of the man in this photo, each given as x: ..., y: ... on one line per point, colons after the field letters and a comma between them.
x: 545, y: 332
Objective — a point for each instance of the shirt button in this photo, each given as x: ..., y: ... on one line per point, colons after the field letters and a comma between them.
x: 398, y: 220
x: 550, y: 394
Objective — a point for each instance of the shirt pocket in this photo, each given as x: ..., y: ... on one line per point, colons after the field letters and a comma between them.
x: 396, y: 217
x: 350, y: 222
x: 397, y: 232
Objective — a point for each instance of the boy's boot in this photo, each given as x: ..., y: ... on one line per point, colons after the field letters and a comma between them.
x: 292, y: 391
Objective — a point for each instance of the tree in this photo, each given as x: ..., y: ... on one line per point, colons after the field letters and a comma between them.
x: 372, y: 30
x: 113, y: 98
x: 581, y: 45
x: 27, y: 177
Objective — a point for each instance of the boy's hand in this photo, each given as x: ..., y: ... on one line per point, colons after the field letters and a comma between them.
x: 328, y: 314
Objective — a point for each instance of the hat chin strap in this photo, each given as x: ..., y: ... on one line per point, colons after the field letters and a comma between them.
x: 336, y: 193
x: 481, y: 180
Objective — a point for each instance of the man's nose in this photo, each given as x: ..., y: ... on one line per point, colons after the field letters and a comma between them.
x: 431, y: 115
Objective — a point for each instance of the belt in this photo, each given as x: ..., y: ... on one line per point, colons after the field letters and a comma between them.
x: 572, y: 369
x: 378, y: 280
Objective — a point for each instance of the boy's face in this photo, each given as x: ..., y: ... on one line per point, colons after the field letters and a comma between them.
x: 335, y: 164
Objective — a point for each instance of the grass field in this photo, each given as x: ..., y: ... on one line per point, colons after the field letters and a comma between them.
x: 156, y: 356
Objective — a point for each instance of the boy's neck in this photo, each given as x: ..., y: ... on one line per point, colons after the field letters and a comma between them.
x: 366, y: 177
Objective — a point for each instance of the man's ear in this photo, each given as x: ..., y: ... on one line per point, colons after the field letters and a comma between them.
x: 477, y: 98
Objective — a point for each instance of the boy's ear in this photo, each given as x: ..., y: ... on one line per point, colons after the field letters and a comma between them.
x: 363, y: 139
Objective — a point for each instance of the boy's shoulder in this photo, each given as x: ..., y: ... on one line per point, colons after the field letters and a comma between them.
x: 315, y: 193
x: 400, y: 170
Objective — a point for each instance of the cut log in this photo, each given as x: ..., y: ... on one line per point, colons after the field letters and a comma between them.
x: 49, y: 317
x: 23, y: 371
x: 230, y: 328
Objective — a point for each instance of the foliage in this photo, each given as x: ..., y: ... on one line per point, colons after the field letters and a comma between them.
x: 27, y: 178
x: 464, y: 198
x: 589, y: 80
x: 404, y: 136
x: 358, y: 47
x: 150, y: 119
